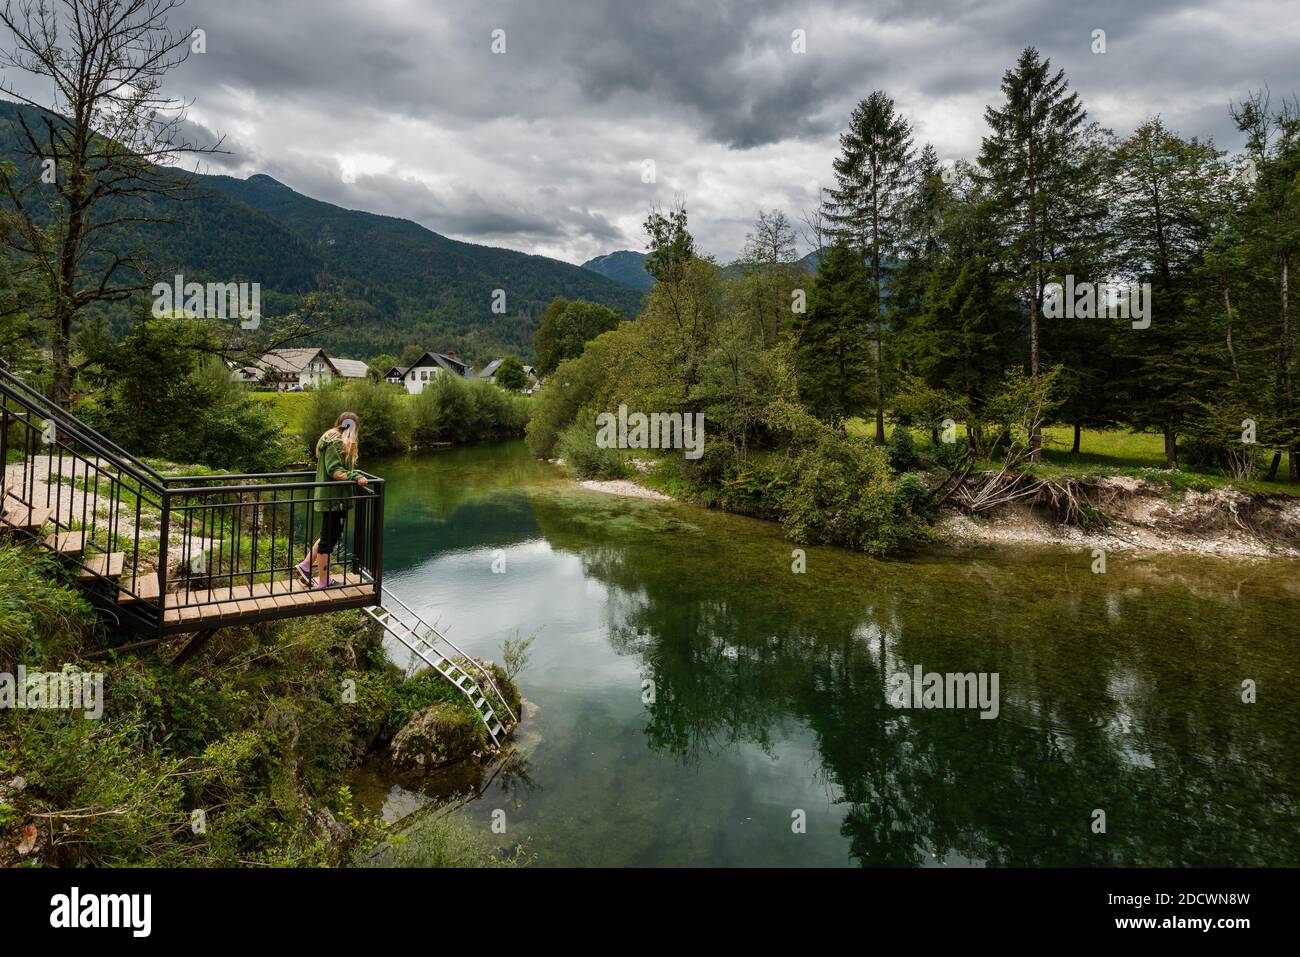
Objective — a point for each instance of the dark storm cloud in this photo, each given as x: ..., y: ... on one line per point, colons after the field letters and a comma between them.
x: 541, y: 148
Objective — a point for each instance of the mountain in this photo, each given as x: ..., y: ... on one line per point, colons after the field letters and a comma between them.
x: 812, y: 261
x: 625, y: 266
x: 405, y: 283
x: 628, y: 267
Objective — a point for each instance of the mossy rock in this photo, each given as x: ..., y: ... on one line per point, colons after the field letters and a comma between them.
x: 441, y: 734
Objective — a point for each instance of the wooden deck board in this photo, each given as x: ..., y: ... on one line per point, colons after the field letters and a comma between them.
x: 68, y: 543
x: 144, y: 588
x: 219, y: 602
x: 109, y: 566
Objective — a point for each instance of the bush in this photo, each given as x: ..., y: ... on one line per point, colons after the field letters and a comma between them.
x: 453, y: 410
x: 911, y: 496
x: 577, y: 383
x: 902, y: 449
x: 193, y: 414
x: 378, y: 410
x: 577, y: 446
x: 842, y: 493
x: 948, y: 454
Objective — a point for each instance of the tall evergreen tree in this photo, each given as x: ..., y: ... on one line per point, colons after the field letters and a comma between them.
x: 867, y: 205
x: 1270, y: 224
x: 1167, y: 204
x: 1033, y: 164
x: 832, y: 350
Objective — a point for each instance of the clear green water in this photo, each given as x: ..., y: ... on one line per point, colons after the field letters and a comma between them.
x: 1118, y: 691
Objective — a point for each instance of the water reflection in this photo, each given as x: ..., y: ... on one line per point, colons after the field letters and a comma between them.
x: 1119, y: 692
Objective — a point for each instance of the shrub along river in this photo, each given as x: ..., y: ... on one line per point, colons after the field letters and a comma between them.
x: 691, y: 700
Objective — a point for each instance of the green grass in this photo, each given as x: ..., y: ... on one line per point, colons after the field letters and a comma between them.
x: 1114, y: 452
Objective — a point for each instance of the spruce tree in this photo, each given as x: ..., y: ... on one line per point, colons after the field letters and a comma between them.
x: 866, y: 207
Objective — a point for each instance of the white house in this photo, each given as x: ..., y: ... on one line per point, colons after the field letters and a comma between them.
x: 426, y: 369
x: 290, y: 370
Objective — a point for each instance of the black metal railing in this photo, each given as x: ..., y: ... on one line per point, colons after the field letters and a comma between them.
x: 163, y: 550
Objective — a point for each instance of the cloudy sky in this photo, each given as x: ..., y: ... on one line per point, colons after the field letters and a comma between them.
x: 402, y: 107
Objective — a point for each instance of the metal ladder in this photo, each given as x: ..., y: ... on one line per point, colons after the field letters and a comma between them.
x: 440, y: 653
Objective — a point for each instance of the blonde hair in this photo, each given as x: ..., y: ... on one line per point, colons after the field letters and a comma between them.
x: 345, y: 435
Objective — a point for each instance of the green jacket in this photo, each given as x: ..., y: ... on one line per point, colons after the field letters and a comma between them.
x: 330, y: 468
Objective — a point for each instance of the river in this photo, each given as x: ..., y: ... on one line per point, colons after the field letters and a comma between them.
x: 692, y: 699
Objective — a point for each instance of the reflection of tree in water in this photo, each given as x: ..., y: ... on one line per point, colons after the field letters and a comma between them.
x: 1118, y: 694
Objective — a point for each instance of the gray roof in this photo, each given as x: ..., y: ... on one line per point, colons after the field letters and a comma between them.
x: 293, y: 360
x: 489, y: 370
x: 351, y: 368
x: 444, y: 362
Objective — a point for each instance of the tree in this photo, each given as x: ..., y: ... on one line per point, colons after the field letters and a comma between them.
x: 1270, y: 224
x: 1037, y: 158
x: 511, y: 375
x: 832, y: 351
x: 768, y: 274
x: 411, y: 355
x: 566, y: 328
x: 865, y: 208
x: 378, y: 367
x: 670, y: 242
x: 1167, y: 194
x: 103, y: 156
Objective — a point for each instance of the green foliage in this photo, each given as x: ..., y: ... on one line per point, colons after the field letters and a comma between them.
x: 833, y: 354
x: 584, y: 381
x: 380, y: 417
x: 166, y: 397
x: 41, y: 619
x: 255, y: 732
x: 577, y: 446
x: 902, y: 449
x: 565, y: 330
x: 511, y: 375
x: 842, y: 493
x: 453, y: 410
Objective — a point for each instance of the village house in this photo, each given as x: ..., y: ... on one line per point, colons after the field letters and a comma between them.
x: 351, y: 369
x: 291, y: 370
x: 426, y: 369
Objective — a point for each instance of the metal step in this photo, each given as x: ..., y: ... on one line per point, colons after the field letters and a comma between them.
x: 423, y: 639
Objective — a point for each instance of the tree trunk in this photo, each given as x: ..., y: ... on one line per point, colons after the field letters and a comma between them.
x: 1272, y: 468
x: 1171, y: 450
x: 1078, y: 431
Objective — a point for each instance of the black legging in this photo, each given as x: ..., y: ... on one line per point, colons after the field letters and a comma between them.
x: 331, y: 532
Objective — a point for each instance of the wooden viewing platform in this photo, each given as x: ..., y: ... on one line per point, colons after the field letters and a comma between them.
x: 227, y: 604
x: 159, y: 555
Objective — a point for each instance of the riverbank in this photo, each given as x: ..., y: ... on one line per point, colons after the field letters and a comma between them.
x: 1134, y: 515
x: 240, y: 757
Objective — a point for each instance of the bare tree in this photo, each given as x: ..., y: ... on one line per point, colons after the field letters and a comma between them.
x: 772, y: 241
x: 816, y: 228
x: 101, y: 159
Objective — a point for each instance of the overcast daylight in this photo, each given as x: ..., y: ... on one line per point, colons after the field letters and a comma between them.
x: 540, y: 147
x: 559, y: 436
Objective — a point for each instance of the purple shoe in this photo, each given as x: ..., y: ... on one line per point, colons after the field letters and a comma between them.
x: 327, y: 583
x: 304, y: 568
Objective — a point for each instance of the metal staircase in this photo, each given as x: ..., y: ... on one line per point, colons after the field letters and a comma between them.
x: 444, y: 656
